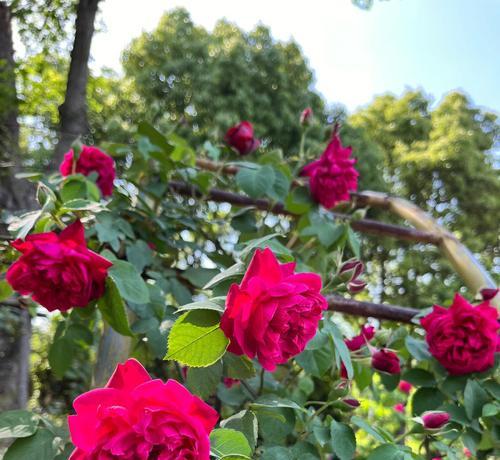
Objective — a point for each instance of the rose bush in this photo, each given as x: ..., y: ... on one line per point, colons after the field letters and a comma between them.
x: 236, y: 308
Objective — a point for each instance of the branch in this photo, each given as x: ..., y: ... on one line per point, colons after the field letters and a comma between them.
x: 370, y: 309
x: 369, y: 226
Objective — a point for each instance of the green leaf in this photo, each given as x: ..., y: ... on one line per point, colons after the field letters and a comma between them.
x: 17, y: 424
x: 199, y: 277
x: 130, y: 284
x: 154, y: 136
x: 354, y: 243
x: 388, y: 452
x: 80, y: 204
x: 215, y: 303
x: 298, y: 201
x: 425, y: 399
x: 417, y: 348
x: 343, y: 440
x: 139, y: 254
x: 196, y: 339
x: 40, y: 446
x: 275, y: 401
x: 246, y: 422
x: 237, y: 367
x: 365, y: 426
x: 113, y: 310
x: 203, y: 381
x: 180, y: 292
x: 419, y: 378
x: 256, y: 243
x: 5, y: 290
x: 341, y: 348
x: 235, y: 270
x: 244, y: 221
x: 280, y: 187
x: 255, y: 182
x: 316, y: 359
x: 61, y: 356
x: 225, y: 442
x: 475, y: 397
x: 22, y: 225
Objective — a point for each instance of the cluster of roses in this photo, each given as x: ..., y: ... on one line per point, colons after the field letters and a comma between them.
x: 270, y: 316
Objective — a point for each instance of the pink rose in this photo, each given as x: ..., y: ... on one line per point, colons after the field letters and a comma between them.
x: 386, y: 361
x: 358, y: 341
x: 241, y: 138
x: 58, y: 270
x: 435, y: 420
x: 91, y: 160
x: 273, y: 312
x: 405, y: 386
x: 136, y: 418
x: 306, y: 115
x: 400, y: 407
x: 462, y: 338
x: 333, y: 175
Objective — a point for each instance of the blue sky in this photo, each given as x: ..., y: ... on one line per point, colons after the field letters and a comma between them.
x: 436, y: 45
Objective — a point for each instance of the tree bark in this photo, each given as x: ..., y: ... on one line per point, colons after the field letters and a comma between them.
x: 73, y: 112
x: 13, y: 193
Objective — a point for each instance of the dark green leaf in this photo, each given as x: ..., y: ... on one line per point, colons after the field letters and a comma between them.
x: 17, y: 424
x: 343, y: 440
x: 246, y: 422
x: 139, y: 254
x: 418, y: 348
x: 475, y: 397
x: 203, y: 381
x: 61, y: 356
x: 40, y: 446
x: 113, y: 310
x: 130, y: 284
x: 425, y: 399
x: 419, y: 378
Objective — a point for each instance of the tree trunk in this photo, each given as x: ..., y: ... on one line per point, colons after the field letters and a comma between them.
x: 73, y: 112
x: 13, y: 193
x: 15, y: 326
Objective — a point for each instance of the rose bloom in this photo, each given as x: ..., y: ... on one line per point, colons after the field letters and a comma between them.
x: 273, y: 312
x: 405, y: 386
x: 386, y: 361
x: 333, y: 175
x: 136, y: 418
x: 462, y: 338
x: 58, y: 270
x: 435, y: 420
x: 400, y: 407
x: 367, y: 333
x: 241, y: 138
x: 90, y: 160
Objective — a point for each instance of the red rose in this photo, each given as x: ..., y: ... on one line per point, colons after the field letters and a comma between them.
x: 58, y: 269
x: 435, y: 420
x: 333, y: 176
x: 241, y: 138
x: 136, y: 418
x: 367, y: 333
x: 274, y: 312
x: 405, y: 386
x: 386, y: 361
x: 306, y: 115
x: 462, y: 338
x: 488, y: 293
x: 91, y: 160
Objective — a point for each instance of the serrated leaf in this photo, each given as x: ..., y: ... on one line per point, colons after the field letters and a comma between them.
x: 388, y: 452
x: 196, y: 339
x: 343, y: 441
x: 130, y: 284
x: 354, y: 243
x: 238, y: 367
x: 235, y: 270
x: 275, y: 401
x: 17, y: 424
x: 215, y: 303
x: 341, y: 348
x: 425, y: 399
x: 245, y: 422
x: 316, y: 359
x: 39, y: 446
x: 255, y: 182
x: 417, y: 348
x: 298, y: 201
x: 365, y: 426
x: 256, y: 243
x: 419, y: 378
x: 113, y: 310
x: 60, y: 356
x: 475, y: 397
x: 203, y: 381
x: 225, y: 442
x: 139, y: 254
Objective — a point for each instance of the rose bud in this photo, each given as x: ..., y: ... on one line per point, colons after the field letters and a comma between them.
x: 488, y: 293
x: 386, y: 361
x: 351, y: 269
x: 435, y: 420
x: 90, y: 160
x: 405, y: 386
x: 358, y: 341
x: 306, y: 116
x: 241, y: 138
x: 343, y: 372
x: 356, y: 286
x: 463, y: 338
x: 400, y: 407
x: 352, y: 402
x: 229, y: 382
